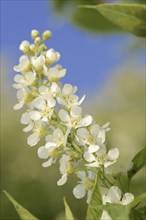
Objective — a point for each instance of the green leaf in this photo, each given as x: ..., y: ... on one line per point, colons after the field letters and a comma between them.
x: 130, y: 17
x: 118, y: 212
x: 138, y: 214
x: 137, y: 200
x: 93, y: 21
x: 139, y: 161
x: 68, y: 213
x: 86, y: 18
x: 22, y: 212
x: 94, y: 210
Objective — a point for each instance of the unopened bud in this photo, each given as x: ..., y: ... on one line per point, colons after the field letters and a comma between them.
x: 32, y: 47
x: 70, y: 169
x: 24, y: 46
x: 37, y: 41
x: 42, y: 47
x: 34, y: 34
x: 46, y: 35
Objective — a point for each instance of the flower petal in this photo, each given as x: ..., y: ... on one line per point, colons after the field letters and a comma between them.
x: 18, y: 106
x: 93, y: 148
x: 81, y: 175
x: 62, y: 180
x: 76, y: 111
x: 127, y: 198
x: 115, y: 194
x: 64, y: 116
x: 25, y: 119
x: 86, y: 121
x: 89, y: 157
x: 35, y: 115
x: 94, y: 164
x: 79, y: 191
x: 43, y: 152
x: 33, y: 139
x: 113, y: 154
x: 48, y: 163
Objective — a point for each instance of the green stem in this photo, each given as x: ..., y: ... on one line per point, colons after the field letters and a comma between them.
x: 103, y: 180
x: 121, y: 184
x: 76, y: 147
x: 128, y: 185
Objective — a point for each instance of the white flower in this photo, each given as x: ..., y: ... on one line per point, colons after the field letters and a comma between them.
x: 24, y: 64
x: 67, y: 97
x: 52, y: 56
x: 58, y: 138
x: 74, y: 119
x: 93, y: 135
x: 27, y: 120
x: 38, y: 62
x: 64, y: 163
x: 48, y: 151
x: 21, y: 96
x: 115, y: 196
x: 85, y: 184
x: 26, y: 79
x: 54, y: 73
x: 99, y: 157
x: 45, y: 104
x: 53, y: 90
x: 24, y: 46
x: 38, y: 132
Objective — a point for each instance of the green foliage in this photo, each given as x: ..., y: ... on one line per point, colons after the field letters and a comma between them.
x: 130, y: 17
x: 107, y: 17
x: 137, y: 200
x: 93, y: 21
x: 84, y: 17
x: 94, y: 210
x: 22, y: 212
x: 118, y: 212
x: 138, y: 214
x: 68, y: 213
x: 139, y: 161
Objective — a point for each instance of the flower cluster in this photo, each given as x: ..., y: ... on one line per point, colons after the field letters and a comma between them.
x: 53, y: 114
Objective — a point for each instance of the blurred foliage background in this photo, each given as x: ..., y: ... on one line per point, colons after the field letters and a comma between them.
x: 120, y: 101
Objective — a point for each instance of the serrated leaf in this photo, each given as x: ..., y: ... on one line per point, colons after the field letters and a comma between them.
x: 68, y: 213
x: 130, y: 17
x: 139, y: 161
x: 22, y: 212
x: 94, y: 210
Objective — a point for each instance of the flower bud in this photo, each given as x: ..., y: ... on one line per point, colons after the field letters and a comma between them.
x: 70, y: 169
x: 42, y: 47
x: 52, y: 56
x: 37, y: 41
x: 46, y: 35
x: 32, y: 48
x: 54, y: 153
x: 34, y: 34
x: 24, y: 46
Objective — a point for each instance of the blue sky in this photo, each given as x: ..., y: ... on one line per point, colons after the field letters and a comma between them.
x: 89, y: 58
